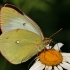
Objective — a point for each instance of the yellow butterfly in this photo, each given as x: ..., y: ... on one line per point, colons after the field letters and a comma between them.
x: 21, y: 37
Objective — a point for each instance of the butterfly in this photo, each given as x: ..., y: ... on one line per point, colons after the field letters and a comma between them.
x: 21, y: 37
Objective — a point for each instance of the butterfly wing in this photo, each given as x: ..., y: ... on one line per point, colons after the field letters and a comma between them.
x: 13, y: 18
x: 20, y: 35
x: 19, y: 45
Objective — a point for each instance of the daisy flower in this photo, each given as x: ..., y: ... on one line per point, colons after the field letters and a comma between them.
x: 52, y: 59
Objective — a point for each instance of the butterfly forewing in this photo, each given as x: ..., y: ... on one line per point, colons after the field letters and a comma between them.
x: 12, y: 19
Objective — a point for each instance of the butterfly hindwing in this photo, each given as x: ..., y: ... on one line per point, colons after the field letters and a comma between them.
x: 19, y: 45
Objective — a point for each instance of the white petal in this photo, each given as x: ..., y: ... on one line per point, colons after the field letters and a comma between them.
x: 65, y: 66
x: 59, y: 67
x: 37, y: 66
x: 58, y: 46
x: 37, y: 59
x: 66, y: 59
x: 65, y: 54
x: 50, y: 68
x: 46, y: 67
x: 55, y: 68
x: 48, y: 47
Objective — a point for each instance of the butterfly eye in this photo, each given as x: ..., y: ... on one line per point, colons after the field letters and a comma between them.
x: 24, y: 24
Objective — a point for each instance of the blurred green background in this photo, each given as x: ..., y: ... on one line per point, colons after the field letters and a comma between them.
x: 50, y: 15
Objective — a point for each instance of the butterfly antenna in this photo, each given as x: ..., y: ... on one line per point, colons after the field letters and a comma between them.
x: 55, y: 33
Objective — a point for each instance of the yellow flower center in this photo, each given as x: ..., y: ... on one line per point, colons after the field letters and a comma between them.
x: 51, y: 57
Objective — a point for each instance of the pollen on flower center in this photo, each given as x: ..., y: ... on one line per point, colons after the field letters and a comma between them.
x: 51, y: 57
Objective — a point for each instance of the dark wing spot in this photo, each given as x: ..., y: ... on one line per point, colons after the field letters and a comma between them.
x: 7, y: 38
x: 24, y: 24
